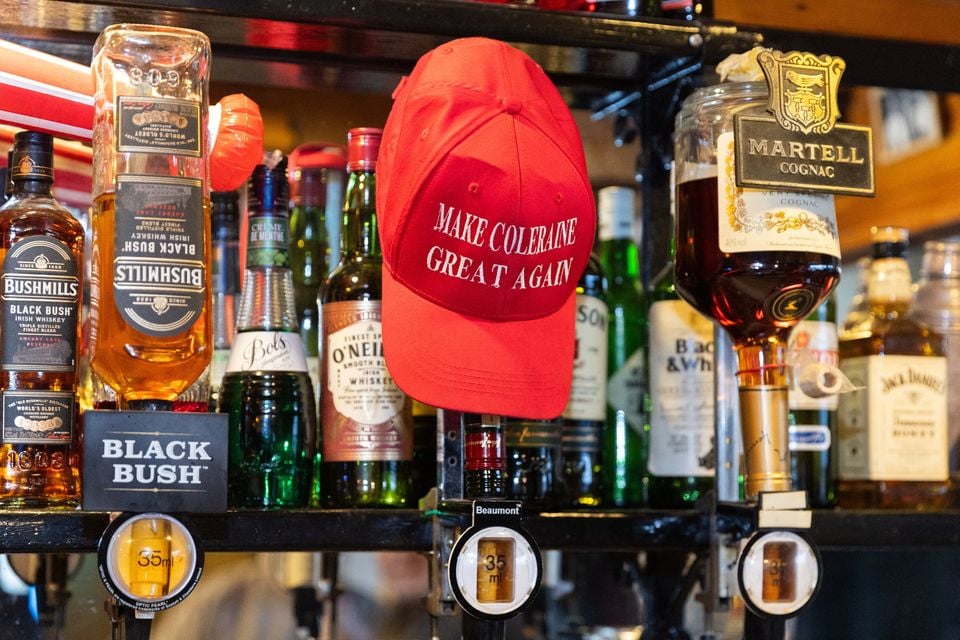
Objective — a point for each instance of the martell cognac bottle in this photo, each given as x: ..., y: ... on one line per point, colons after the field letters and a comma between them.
x: 892, y: 449
x: 41, y: 268
x: 266, y: 389
x: 367, y: 420
x: 150, y: 321
x: 625, y: 435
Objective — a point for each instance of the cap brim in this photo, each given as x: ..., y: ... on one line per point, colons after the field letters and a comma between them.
x: 448, y: 360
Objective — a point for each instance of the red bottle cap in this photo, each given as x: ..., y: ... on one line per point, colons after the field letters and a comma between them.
x: 363, y: 145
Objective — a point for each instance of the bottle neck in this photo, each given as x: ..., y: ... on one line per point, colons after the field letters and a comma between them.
x: 889, y: 282
x: 268, y: 239
x: 359, y: 237
x: 620, y: 260
x: 31, y: 188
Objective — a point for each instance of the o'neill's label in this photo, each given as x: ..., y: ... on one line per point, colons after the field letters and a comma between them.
x: 40, y: 296
x: 159, y: 271
x: 802, y: 147
x: 365, y: 415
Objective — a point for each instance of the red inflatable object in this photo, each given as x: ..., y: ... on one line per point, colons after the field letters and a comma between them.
x: 238, y: 142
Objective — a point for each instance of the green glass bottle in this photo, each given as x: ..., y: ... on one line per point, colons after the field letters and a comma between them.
x: 583, y: 418
x: 626, y: 430
x: 681, y: 397
x: 813, y: 420
x: 367, y: 420
x: 266, y: 389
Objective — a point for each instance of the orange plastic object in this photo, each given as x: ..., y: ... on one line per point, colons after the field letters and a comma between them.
x: 238, y: 145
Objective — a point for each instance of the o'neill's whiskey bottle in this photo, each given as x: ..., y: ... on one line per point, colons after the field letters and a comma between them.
x: 150, y: 320
x: 367, y: 420
x: 266, y: 389
x: 893, y: 428
x: 41, y: 265
x: 625, y: 435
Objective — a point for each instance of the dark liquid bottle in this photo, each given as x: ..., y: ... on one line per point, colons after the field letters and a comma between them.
x: 533, y: 461
x: 813, y: 420
x: 225, y: 271
x: 41, y: 257
x: 266, y: 389
x: 583, y: 418
x: 367, y: 454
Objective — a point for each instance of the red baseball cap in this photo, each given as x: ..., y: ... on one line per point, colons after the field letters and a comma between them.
x: 486, y: 220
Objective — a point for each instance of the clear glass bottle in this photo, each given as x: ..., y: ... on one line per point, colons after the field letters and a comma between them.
x: 585, y: 414
x: 936, y: 304
x: 150, y: 321
x: 266, y: 389
x: 368, y: 422
x: 892, y: 449
x: 858, y: 316
x: 41, y: 273
x: 625, y: 435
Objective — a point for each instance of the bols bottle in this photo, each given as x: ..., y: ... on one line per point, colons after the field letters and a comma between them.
x: 41, y: 267
x: 266, y: 389
x: 367, y: 420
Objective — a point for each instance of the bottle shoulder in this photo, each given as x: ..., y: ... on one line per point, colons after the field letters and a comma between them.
x: 891, y: 335
x: 357, y: 278
x: 38, y: 212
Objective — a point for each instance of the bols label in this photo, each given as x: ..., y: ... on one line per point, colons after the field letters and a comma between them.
x: 159, y: 273
x: 365, y: 414
x: 40, y: 295
x: 159, y: 125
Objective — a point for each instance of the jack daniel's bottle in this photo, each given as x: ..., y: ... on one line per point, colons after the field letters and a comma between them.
x: 266, y: 388
x: 41, y: 265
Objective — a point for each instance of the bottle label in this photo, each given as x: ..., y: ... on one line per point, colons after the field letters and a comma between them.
x: 533, y: 434
x: 159, y: 125
x: 894, y: 426
x: 159, y: 271
x: 589, y: 386
x: 762, y: 220
x: 365, y: 414
x: 809, y: 437
x: 267, y: 351
x: 582, y: 438
x: 681, y: 390
x: 625, y: 390
x: 268, y: 239
x: 40, y: 294
x: 37, y: 417
x: 483, y: 449
x: 813, y: 341
x: 615, y: 223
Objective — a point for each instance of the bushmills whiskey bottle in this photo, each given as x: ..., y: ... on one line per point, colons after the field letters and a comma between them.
x: 41, y: 269
x: 367, y: 420
x: 892, y: 449
x: 150, y: 321
x: 625, y: 435
x: 266, y: 389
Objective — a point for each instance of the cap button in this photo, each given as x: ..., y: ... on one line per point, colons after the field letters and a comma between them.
x: 511, y: 105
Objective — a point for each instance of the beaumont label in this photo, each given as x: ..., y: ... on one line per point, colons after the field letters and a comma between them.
x: 159, y: 125
x: 40, y: 294
x: 589, y: 386
x: 813, y: 341
x: 37, y: 417
x: 766, y: 220
x: 625, y: 390
x: 267, y: 351
x: 159, y: 281
x: 681, y: 390
x: 365, y: 414
x: 894, y: 426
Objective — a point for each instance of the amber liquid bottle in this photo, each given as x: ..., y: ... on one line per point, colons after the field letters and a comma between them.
x: 367, y: 420
x: 41, y: 257
x: 893, y: 429
x: 150, y: 321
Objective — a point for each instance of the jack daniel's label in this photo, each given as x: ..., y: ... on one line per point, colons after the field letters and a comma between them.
x: 802, y: 147
x: 40, y: 294
x: 159, y: 272
x: 365, y: 415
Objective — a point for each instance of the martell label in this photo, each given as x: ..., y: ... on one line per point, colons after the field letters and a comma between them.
x: 155, y: 461
x: 588, y: 389
x: 365, y: 414
x: 159, y: 282
x: 159, y: 125
x: 681, y: 390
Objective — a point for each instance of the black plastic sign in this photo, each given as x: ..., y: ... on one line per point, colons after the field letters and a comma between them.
x: 155, y: 461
